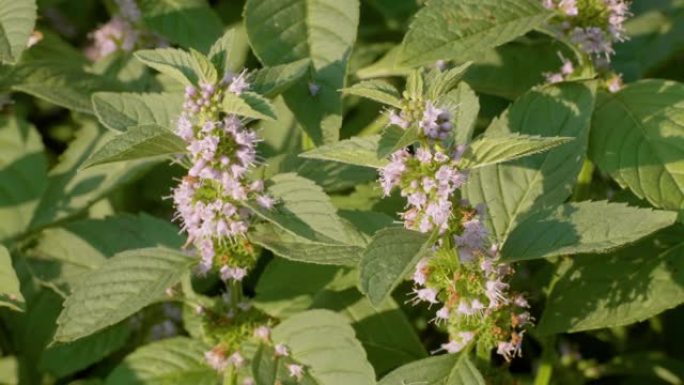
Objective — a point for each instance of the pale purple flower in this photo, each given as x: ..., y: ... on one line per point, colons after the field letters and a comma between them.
x: 397, y: 119
x: 296, y: 371
x: 281, y: 350
x: 495, y: 292
x: 216, y: 359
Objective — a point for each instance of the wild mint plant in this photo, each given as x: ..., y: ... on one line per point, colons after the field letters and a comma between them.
x: 342, y: 192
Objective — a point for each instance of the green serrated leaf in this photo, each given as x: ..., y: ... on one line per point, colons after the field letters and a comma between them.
x: 377, y: 90
x: 121, y: 286
x: 359, y: 151
x: 248, y: 104
x: 387, y: 260
x: 17, y: 20
x: 443, y: 82
x: 512, y: 189
x: 448, y: 369
x: 173, y: 361
x: 10, y: 295
x: 585, y: 227
x: 325, y: 343
x: 296, y: 248
x: 138, y: 142
x: 272, y: 81
x: 458, y: 29
x: 489, y: 150
x: 118, y: 111
x: 385, y: 332
x: 23, y: 170
x: 188, y: 23
x: 173, y: 62
x: 395, y: 138
x: 223, y: 53
x: 415, y: 86
x: 637, y: 137
x: 323, y: 31
x: 305, y: 211
x: 67, y: 253
x: 204, y: 68
x: 627, y: 286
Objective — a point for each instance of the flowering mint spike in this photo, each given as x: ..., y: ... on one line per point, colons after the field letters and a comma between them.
x: 210, y: 200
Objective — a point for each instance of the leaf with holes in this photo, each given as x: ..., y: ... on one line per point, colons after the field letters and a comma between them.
x: 121, y: 286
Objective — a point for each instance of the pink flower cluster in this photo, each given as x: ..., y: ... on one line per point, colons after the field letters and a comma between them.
x: 427, y: 179
x: 476, y: 302
x: 210, y: 200
x: 122, y: 33
x: 596, y: 40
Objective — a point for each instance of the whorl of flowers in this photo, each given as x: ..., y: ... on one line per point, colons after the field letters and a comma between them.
x: 210, y: 199
x: 462, y: 276
x: 428, y: 177
x: 123, y: 32
x: 468, y: 283
x: 594, y: 26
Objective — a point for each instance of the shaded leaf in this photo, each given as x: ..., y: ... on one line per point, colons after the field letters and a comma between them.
x: 121, y: 286
x: 510, y: 190
x: 10, y: 295
x: 388, y: 259
x: 458, y: 29
x: 272, y: 81
x: 584, y: 227
x: 637, y: 137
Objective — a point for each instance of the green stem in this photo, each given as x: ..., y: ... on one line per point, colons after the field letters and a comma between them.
x: 230, y: 376
x: 545, y: 370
